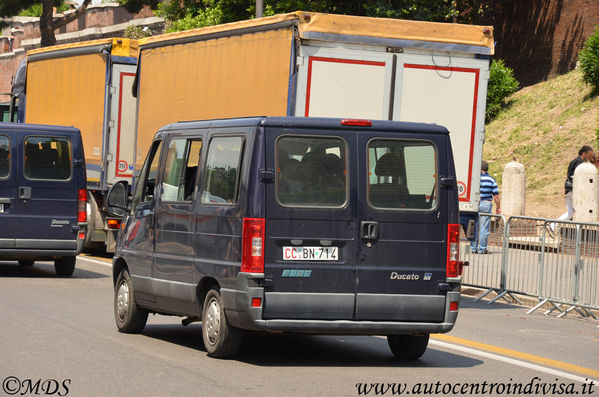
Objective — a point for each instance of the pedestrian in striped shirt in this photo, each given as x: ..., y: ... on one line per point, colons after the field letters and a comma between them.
x: 489, y: 192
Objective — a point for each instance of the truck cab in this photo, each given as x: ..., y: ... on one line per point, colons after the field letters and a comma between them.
x: 284, y: 224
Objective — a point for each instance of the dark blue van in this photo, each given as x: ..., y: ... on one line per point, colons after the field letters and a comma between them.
x: 308, y: 225
x: 42, y: 195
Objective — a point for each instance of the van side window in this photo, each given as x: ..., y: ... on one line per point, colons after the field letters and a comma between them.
x: 181, y: 169
x: 48, y: 158
x: 4, y: 156
x: 222, y: 170
x: 144, y: 192
x: 311, y: 171
x: 402, y: 174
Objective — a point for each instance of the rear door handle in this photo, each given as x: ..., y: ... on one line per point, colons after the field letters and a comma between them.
x: 25, y: 193
x: 369, y: 230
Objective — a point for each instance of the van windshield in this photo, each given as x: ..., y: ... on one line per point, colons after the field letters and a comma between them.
x: 311, y: 171
x: 47, y: 158
x: 402, y: 174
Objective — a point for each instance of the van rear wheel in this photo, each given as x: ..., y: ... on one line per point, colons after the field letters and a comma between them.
x: 65, y: 266
x: 130, y: 318
x: 26, y: 263
x: 221, y: 339
x: 408, y: 347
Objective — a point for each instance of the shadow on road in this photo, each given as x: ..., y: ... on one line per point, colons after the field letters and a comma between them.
x: 468, y: 302
x: 41, y: 270
x: 292, y: 350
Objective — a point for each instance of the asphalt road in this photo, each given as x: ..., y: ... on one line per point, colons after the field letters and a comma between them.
x: 63, y: 329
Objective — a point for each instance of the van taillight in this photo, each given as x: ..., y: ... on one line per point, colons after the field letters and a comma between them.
x: 453, y: 251
x: 82, y: 206
x: 252, y: 260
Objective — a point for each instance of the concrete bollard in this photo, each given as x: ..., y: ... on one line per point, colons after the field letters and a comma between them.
x: 585, y: 193
x: 513, y: 189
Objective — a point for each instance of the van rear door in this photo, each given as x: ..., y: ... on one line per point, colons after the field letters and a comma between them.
x: 403, y: 227
x: 8, y: 189
x: 310, y: 269
x: 47, y: 191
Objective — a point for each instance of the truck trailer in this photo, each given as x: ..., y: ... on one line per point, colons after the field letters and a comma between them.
x: 88, y: 85
x: 322, y: 65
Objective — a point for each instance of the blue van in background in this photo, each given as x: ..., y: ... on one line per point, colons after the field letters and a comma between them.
x: 312, y: 225
x: 42, y: 195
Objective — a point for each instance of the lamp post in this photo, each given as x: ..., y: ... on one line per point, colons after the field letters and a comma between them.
x: 259, y: 8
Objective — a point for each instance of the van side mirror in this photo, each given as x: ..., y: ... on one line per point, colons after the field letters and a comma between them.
x: 117, y: 199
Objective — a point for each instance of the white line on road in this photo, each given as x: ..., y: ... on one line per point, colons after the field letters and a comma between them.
x: 512, y: 361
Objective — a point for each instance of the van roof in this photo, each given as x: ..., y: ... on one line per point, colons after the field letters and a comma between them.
x: 309, y: 122
x: 24, y: 127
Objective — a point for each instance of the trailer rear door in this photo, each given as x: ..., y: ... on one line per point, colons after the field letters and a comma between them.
x: 343, y: 83
x: 122, y: 125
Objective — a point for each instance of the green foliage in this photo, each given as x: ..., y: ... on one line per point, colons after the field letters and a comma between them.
x: 502, y: 84
x: 188, y: 14
x: 589, y: 60
x: 36, y: 9
x: 136, y: 32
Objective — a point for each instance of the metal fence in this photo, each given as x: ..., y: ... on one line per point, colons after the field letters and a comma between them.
x: 556, y: 262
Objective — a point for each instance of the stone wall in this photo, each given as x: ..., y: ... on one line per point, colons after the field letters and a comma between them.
x: 542, y: 38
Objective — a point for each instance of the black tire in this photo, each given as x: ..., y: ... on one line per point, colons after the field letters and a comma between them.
x: 65, y: 266
x: 26, y: 263
x: 221, y: 339
x: 130, y: 318
x: 408, y: 347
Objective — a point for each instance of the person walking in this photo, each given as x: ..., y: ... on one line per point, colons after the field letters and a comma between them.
x: 584, y: 154
x: 489, y: 192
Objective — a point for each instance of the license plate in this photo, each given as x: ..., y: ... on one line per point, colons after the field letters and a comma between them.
x: 310, y: 253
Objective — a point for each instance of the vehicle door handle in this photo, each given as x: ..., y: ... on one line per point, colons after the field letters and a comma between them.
x: 369, y: 230
x: 25, y: 193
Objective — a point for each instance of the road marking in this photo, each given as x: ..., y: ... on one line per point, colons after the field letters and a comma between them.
x: 103, y: 263
x: 517, y: 358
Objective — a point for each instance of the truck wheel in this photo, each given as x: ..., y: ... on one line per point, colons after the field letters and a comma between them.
x: 408, y: 347
x: 65, y: 266
x: 221, y: 339
x: 26, y: 263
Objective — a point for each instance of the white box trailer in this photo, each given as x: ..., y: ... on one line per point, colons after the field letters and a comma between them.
x: 88, y: 85
x: 311, y: 64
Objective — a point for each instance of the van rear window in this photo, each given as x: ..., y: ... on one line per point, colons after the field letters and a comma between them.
x: 311, y: 171
x: 402, y: 174
x: 4, y: 156
x: 47, y: 158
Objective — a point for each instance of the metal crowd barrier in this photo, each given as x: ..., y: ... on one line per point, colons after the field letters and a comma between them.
x: 556, y: 262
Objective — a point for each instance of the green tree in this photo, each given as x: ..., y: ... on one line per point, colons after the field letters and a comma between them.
x: 48, y: 23
x: 589, y: 61
x: 502, y: 84
x: 189, y: 14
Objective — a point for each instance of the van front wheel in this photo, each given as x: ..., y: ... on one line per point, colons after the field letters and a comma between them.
x: 130, y: 318
x: 65, y: 266
x: 221, y: 339
x: 408, y: 347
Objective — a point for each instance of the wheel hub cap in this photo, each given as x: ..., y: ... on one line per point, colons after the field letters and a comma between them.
x: 212, y: 322
x: 122, y: 300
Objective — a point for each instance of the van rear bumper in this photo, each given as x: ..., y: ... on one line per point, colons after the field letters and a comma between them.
x: 241, y: 314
